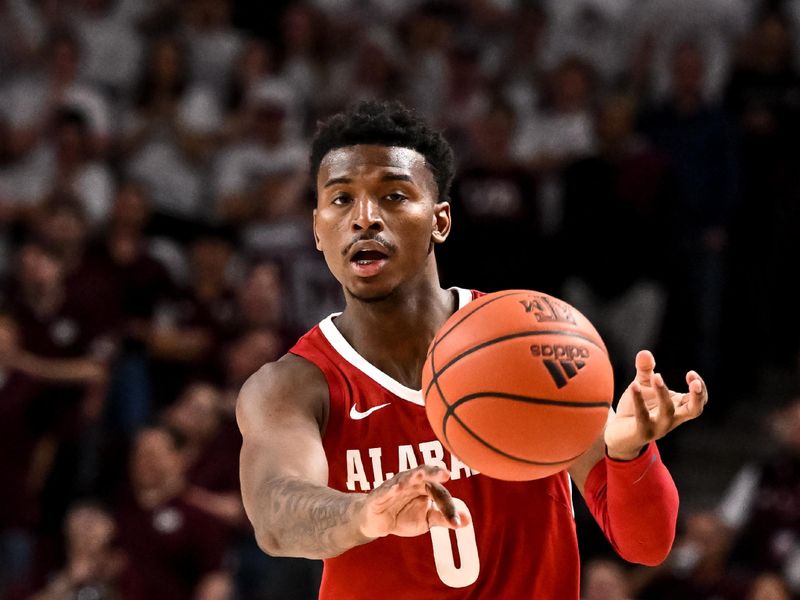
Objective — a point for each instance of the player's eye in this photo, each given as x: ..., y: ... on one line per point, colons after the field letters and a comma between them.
x: 340, y: 199
x: 396, y: 197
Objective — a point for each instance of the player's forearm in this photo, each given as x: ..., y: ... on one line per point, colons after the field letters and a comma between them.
x: 303, y: 519
x: 636, y: 504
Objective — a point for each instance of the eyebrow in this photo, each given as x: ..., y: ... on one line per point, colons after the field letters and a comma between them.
x: 387, y: 177
x: 397, y: 177
x: 336, y: 180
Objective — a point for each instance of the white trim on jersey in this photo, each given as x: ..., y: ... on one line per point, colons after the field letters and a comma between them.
x: 347, y: 352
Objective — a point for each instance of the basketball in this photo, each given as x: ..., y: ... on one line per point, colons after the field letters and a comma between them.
x: 517, y: 384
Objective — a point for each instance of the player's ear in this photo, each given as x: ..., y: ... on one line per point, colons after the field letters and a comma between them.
x: 316, y: 237
x: 440, y: 222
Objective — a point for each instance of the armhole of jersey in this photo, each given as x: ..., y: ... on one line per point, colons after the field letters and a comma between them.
x: 339, y: 394
x: 335, y: 380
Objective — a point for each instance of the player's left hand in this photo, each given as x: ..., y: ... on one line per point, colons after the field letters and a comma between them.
x: 648, y: 409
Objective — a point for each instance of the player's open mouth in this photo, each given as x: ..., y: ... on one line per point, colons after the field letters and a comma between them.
x: 368, y: 262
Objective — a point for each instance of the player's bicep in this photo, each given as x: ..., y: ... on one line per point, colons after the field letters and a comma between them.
x: 280, y: 433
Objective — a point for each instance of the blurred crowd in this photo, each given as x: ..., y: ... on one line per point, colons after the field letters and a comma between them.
x: 637, y: 158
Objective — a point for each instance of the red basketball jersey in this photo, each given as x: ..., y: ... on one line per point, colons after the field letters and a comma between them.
x: 522, y: 541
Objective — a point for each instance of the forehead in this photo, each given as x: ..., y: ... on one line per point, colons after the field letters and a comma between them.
x: 364, y: 160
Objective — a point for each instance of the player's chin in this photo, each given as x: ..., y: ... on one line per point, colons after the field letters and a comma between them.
x: 371, y: 291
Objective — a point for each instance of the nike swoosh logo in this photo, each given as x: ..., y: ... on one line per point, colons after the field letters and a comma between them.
x: 357, y: 415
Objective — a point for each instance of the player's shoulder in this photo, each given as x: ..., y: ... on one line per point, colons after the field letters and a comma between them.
x: 289, y: 384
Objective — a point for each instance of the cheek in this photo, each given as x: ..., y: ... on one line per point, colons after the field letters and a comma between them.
x: 421, y: 230
x: 328, y: 230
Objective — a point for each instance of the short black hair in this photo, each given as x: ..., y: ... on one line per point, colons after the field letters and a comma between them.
x: 385, y: 123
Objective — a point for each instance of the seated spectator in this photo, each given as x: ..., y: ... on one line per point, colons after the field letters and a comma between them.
x: 169, y: 133
x: 143, y: 283
x: 769, y: 586
x: 192, y: 323
x: 657, y: 27
x: 697, y: 139
x: 211, y: 452
x: 616, y: 197
x: 212, y: 41
x: 255, y: 62
x: 93, y: 565
x: 496, y: 199
x: 14, y: 210
x: 32, y: 99
x: 562, y: 131
x: 174, y: 550
x: 604, y: 580
x: 64, y: 163
x: 762, y: 98
x: 763, y: 503
x: 270, y: 146
x: 20, y: 478
x: 63, y: 224
x: 68, y: 165
x: 57, y: 363
x: 697, y: 568
x: 111, y: 46
x: 59, y: 342
x: 262, y: 302
x: 247, y: 353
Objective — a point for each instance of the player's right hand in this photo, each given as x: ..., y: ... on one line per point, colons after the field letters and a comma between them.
x: 409, y: 504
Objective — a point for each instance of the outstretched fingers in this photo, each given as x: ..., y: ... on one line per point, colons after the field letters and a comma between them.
x: 653, y: 423
x: 666, y: 409
x: 410, y: 484
x: 693, y: 402
x: 442, y: 502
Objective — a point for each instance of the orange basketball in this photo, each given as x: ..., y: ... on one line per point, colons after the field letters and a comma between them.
x: 517, y: 384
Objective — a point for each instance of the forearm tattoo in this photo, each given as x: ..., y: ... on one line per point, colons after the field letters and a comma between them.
x: 309, y: 520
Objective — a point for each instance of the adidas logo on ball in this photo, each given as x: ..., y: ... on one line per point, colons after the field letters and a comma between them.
x: 562, y: 362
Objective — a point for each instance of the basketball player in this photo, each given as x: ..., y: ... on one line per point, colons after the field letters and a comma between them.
x: 339, y: 461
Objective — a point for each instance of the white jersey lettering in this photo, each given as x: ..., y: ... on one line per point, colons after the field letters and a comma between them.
x: 408, y: 457
x: 432, y: 453
x: 377, y: 468
x: 407, y: 460
x: 355, y: 472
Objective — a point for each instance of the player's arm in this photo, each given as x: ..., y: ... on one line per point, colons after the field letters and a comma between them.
x: 61, y: 370
x: 626, y: 486
x: 284, y: 474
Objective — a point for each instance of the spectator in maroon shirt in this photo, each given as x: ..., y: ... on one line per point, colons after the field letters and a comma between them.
x: 93, y: 566
x: 496, y: 200
x: 697, y: 568
x: 174, y: 550
x: 55, y: 357
x: 18, y: 480
x: 60, y: 341
x: 261, y: 302
x: 616, y: 197
x: 763, y: 502
x: 190, y: 326
x: 62, y: 223
x: 211, y: 451
x: 143, y: 282
x: 242, y: 357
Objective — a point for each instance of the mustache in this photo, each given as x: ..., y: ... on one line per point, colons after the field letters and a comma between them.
x: 374, y: 238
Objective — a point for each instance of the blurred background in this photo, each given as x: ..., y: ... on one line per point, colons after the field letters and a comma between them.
x: 638, y: 158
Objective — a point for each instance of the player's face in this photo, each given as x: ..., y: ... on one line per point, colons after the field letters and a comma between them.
x: 377, y: 218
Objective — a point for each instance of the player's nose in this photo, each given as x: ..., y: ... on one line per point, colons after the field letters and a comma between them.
x: 366, y: 214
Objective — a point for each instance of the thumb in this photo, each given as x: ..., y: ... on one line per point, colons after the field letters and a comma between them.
x: 645, y: 365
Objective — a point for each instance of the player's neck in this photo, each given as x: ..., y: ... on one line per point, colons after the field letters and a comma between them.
x: 394, y: 334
